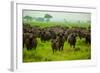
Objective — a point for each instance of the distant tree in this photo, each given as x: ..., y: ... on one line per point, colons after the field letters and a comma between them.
x: 47, y: 17
x: 28, y: 18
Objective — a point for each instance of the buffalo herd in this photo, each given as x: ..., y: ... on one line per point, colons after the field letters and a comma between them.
x: 57, y: 35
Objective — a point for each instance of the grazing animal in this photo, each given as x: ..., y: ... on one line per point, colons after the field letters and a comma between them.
x: 45, y: 35
x: 88, y: 38
x: 61, y: 41
x: 55, y: 44
x: 31, y: 42
x: 25, y: 36
x: 72, y: 39
x: 58, y: 42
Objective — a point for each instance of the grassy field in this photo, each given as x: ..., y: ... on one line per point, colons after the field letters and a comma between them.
x: 44, y: 51
x: 68, y: 24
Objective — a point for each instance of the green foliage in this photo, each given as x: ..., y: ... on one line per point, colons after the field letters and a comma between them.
x: 47, y: 16
x: 28, y: 18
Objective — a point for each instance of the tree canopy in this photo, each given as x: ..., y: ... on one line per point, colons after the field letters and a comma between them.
x: 28, y: 18
x: 47, y: 16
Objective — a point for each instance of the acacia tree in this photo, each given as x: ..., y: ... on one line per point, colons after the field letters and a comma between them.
x: 28, y: 18
x: 47, y: 17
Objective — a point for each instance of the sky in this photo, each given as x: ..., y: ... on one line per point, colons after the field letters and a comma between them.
x: 60, y: 16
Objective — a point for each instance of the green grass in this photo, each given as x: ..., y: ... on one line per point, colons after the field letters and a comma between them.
x: 44, y: 52
x: 49, y: 24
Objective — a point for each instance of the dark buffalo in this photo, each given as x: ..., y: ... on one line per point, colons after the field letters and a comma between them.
x: 55, y: 44
x: 88, y: 38
x: 45, y: 35
x: 72, y: 39
x: 29, y: 41
x: 61, y: 41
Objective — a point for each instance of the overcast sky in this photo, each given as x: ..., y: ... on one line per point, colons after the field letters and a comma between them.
x: 60, y: 16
